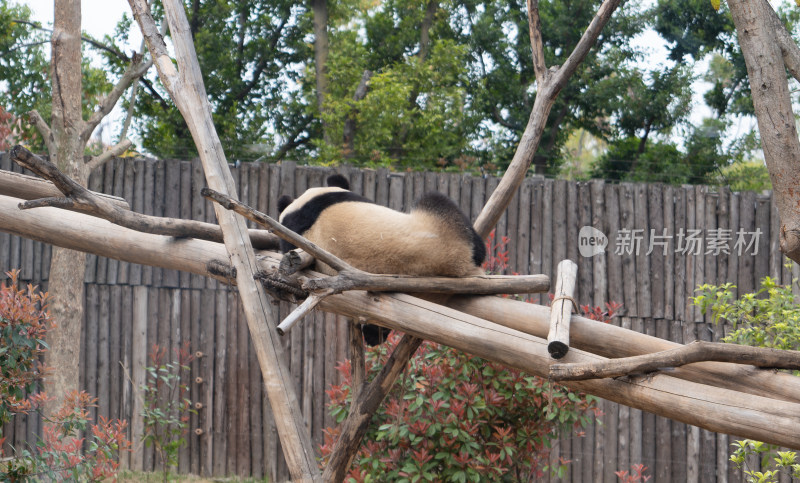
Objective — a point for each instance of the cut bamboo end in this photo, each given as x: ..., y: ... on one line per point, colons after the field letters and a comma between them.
x: 561, y: 309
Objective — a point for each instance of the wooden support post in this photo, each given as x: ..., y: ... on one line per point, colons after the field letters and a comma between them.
x: 186, y: 88
x: 561, y: 309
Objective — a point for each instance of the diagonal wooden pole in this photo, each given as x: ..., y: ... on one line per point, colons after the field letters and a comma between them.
x: 188, y: 92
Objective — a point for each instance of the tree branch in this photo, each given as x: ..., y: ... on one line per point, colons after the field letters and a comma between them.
x: 547, y: 90
x: 697, y: 351
x: 281, y: 231
x: 97, y: 161
x: 41, y: 126
x: 477, y: 285
x: 136, y: 69
x: 77, y: 198
x: 26, y: 187
x: 362, y: 408
x: 537, y: 44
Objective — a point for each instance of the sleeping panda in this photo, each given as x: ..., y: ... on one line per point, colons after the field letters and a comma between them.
x: 434, y: 239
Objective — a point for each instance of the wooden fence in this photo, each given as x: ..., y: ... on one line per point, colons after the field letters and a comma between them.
x: 685, y: 236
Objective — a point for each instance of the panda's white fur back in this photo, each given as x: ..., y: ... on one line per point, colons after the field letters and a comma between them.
x: 378, y: 239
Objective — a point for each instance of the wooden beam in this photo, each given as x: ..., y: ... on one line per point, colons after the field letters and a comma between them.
x: 733, y: 411
x: 611, y: 341
x: 18, y: 185
x: 188, y: 92
x: 561, y: 309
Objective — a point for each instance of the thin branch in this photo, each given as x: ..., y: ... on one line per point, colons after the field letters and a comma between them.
x: 281, y: 231
x: 477, y: 285
x: 44, y: 130
x: 588, y: 39
x: 547, y: 90
x: 24, y: 187
x: 102, y: 158
x: 77, y: 198
x: 136, y: 69
x: 301, y: 311
x: 697, y: 351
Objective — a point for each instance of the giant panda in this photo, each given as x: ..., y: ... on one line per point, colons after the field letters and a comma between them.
x: 434, y: 239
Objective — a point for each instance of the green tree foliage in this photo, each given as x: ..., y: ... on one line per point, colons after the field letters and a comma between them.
x: 769, y: 317
x: 25, y: 71
x: 250, y: 53
x: 451, y: 83
x: 24, y: 66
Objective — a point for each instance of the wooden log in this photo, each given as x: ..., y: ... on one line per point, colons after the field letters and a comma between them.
x: 713, y: 408
x: 686, y: 401
x: 25, y: 187
x: 697, y: 351
x: 609, y: 340
x: 188, y: 92
x: 561, y: 309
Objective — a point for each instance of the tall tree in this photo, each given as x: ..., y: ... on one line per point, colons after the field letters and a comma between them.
x: 66, y: 138
x: 768, y: 51
x: 319, y: 9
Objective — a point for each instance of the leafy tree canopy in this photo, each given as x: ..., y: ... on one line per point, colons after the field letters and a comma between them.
x: 451, y: 83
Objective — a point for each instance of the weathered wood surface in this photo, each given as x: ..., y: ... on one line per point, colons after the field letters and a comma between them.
x: 188, y: 92
x: 542, y: 246
x: 561, y: 309
x: 713, y: 408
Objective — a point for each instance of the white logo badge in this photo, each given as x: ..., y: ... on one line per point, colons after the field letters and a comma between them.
x: 591, y: 241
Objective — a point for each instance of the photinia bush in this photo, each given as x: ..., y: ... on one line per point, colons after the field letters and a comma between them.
x: 455, y: 417
x: 24, y: 321
x: 60, y: 454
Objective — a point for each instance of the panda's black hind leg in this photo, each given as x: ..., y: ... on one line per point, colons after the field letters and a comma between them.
x: 374, y: 334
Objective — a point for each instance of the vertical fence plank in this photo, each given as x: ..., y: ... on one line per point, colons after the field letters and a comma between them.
x: 627, y: 224
x: 208, y: 345
x: 221, y: 375
x: 137, y: 369
x: 584, y: 290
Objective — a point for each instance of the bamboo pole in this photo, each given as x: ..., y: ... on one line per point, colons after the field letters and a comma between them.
x: 561, y: 309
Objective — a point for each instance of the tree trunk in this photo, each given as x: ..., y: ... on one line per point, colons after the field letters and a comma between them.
x: 320, y: 10
x: 776, y: 122
x: 67, y: 267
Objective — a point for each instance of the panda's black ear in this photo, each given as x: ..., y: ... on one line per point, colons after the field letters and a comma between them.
x: 283, y: 202
x: 338, y: 181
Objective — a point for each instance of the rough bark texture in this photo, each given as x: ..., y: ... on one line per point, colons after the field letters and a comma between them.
x: 320, y: 10
x: 187, y: 90
x: 66, y: 267
x: 749, y: 407
x: 776, y: 122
